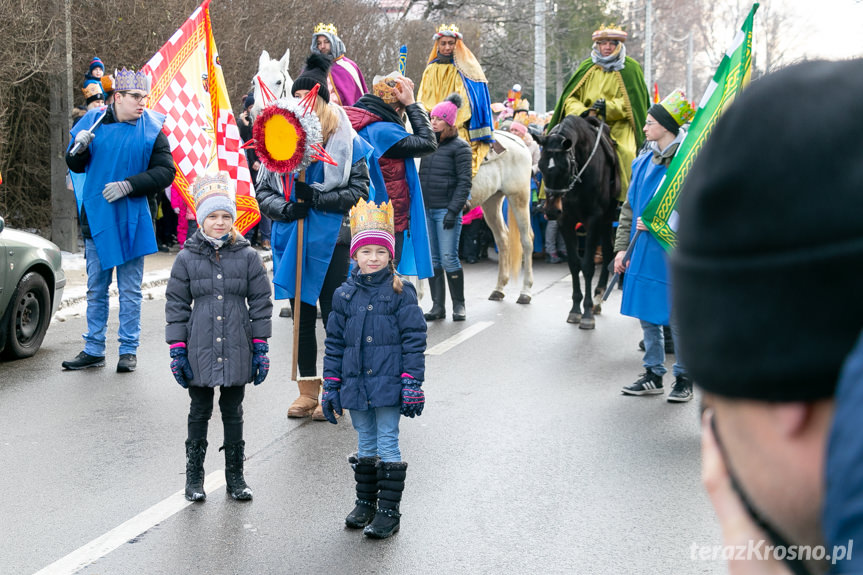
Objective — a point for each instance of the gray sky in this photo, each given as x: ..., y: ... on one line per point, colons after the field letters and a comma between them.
x: 830, y: 29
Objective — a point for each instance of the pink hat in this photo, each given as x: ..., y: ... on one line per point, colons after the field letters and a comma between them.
x: 448, y: 109
x: 518, y: 128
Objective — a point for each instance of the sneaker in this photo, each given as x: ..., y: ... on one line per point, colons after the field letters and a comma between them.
x: 84, y: 360
x: 128, y: 362
x: 681, y: 391
x: 647, y: 384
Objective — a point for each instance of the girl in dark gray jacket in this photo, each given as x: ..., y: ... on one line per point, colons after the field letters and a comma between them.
x: 218, y: 312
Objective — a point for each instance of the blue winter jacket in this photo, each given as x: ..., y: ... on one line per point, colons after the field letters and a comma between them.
x: 374, y: 335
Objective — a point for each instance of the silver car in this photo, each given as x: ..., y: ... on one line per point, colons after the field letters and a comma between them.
x: 31, y: 288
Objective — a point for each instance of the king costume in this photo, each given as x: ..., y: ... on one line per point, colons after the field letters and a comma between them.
x: 460, y: 73
x: 619, y: 80
x: 345, y: 80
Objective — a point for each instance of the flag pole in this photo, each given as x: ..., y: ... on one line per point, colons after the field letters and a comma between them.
x: 298, y: 287
x: 616, y: 277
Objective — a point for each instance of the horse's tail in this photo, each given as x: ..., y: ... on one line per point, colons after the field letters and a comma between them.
x: 514, y: 242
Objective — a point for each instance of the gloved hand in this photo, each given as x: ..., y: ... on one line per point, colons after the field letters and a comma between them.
x: 113, y: 191
x: 295, y: 211
x: 331, y: 401
x: 599, y: 106
x: 260, y: 361
x: 413, y: 398
x: 449, y: 220
x: 83, y: 138
x: 303, y: 191
x: 180, y: 366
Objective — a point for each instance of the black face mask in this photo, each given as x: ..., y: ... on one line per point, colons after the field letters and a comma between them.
x: 797, y: 566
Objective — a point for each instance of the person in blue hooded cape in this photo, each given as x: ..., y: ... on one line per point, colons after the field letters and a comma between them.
x: 122, y: 160
x: 377, y: 117
x: 322, y: 198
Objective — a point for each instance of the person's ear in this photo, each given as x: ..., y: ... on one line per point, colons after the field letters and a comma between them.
x: 791, y: 419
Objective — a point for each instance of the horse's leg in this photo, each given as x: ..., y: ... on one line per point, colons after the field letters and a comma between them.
x: 491, y: 209
x: 606, y: 242
x: 594, y: 230
x: 567, y: 230
x: 520, y: 205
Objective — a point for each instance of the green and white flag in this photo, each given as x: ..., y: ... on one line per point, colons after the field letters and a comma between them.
x: 660, y: 215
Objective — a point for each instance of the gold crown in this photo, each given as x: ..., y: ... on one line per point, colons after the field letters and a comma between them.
x: 322, y: 28
x: 448, y: 30
x: 128, y: 80
x: 210, y: 185
x: 368, y: 216
x: 611, y: 32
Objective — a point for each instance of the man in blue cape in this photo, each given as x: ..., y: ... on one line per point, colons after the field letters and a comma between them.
x: 377, y: 117
x: 121, y: 160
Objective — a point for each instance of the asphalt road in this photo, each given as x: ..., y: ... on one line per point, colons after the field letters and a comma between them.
x: 527, y: 459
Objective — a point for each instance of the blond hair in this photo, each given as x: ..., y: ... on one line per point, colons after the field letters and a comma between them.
x: 397, y: 281
x: 329, y: 119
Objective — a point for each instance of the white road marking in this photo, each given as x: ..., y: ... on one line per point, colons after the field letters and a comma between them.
x: 458, y: 338
x: 101, y: 546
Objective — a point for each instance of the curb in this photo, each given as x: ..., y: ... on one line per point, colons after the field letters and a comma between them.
x: 151, y: 280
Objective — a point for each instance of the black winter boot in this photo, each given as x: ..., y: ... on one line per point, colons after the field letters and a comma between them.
x: 438, y: 295
x: 456, y: 291
x: 366, y: 475
x: 196, y: 451
x: 235, y: 482
x: 391, y: 483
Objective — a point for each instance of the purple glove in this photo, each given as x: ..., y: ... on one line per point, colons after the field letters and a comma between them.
x: 331, y: 401
x: 180, y: 365
x: 260, y: 361
x: 413, y: 398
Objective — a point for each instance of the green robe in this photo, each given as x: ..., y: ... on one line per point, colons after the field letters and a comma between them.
x: 625, y: 93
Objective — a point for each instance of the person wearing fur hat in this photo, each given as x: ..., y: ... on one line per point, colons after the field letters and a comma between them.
x: 218, y: 313
x: 646, y: 293
x: 322, y: 198
x: 379, y: 119
x: 782, y: 457
x: 374, y: 367
x: 121, y: 161
x: 445, y: 177
x: 345, y: 79
x: 610, y: 85
x: 452, y: 68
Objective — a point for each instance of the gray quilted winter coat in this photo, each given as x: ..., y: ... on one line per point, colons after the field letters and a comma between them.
x: 232, y: 306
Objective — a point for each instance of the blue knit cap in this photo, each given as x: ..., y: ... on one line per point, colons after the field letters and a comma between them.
x: 213, y: 192
x: 96, y: 63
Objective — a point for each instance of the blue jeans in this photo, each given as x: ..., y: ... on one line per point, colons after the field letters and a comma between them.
x: 444, y: 243
x: 378, y: 431
x: 654, y: 349
x: 129, y: 278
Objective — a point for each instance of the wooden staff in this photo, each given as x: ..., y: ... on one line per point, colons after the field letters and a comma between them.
x: 298, y: 286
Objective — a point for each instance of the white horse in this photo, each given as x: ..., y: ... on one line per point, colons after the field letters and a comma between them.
x: 274, y: 74
x: 500, y: 176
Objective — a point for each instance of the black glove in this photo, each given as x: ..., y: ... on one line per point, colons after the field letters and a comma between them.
x: 599, y: 106
x: 449, y: 220
x: 294, y: 211
x: 303, y: 191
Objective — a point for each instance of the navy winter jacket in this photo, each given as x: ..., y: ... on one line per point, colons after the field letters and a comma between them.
x: 373, y: 336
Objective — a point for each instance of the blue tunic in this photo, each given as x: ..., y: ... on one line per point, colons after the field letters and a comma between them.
x: 121, y: 230
x: 646, y: 293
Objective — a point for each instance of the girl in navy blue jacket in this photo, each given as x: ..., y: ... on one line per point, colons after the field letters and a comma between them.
x: 374, y: 367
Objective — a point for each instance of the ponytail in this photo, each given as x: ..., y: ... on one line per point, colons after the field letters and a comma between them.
x: 397, y: 281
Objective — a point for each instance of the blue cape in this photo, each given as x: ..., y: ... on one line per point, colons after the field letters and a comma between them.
x: 122, y: 230
x: 416, y: 251
x: 481, y: 128
x: 646, y: 293
x: 320, y: 232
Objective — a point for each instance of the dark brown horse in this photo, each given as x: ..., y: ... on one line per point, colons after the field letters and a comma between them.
x: 581, y: 174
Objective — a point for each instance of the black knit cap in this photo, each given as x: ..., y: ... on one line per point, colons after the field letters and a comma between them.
x: 316, y: 71
x: 768, y: 274
x: 661, y: 115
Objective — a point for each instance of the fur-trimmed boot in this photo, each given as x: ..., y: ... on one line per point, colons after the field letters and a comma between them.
x: 456, y: 291
x: 235, y: 482
x: 305, y: 404
x: 391, y: 483
x: 196, y: 451
x: 366, y: 476
x: 437, y: 286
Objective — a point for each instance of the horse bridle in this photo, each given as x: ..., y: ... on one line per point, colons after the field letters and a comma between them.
x: 577, y: 178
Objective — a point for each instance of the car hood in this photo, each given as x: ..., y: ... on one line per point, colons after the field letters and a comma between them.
x: 16, y: 238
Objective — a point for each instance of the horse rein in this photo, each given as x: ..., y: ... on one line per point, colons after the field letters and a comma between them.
x: 577, y: 178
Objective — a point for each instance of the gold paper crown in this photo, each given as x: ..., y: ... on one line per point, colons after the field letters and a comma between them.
x: 610, y: 32
x: 128, y: 80
x: 448, y: 30
x: 322, y: 28
x: 367, y: 216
